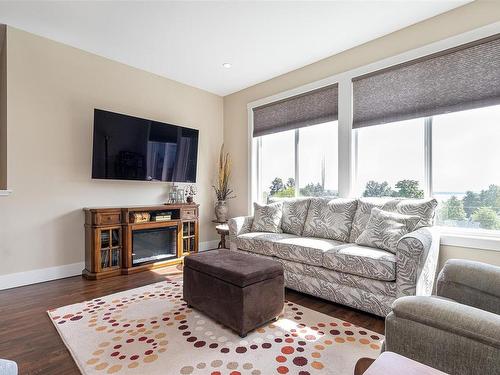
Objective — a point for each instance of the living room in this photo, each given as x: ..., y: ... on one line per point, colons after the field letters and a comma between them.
x: 249, y: 187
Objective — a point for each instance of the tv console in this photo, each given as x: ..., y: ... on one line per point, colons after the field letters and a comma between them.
x: 124, y: 240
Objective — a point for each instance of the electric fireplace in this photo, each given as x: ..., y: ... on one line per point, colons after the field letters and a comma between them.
x: 154, y: 244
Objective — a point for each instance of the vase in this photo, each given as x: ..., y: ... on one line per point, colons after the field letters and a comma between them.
x: 221, y: 211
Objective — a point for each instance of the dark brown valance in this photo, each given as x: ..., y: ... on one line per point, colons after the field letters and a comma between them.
x: 457, y: 79
x: 311, y: 108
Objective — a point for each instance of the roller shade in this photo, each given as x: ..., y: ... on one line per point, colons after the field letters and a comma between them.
x: 311, y: 108
x: 457, y: 79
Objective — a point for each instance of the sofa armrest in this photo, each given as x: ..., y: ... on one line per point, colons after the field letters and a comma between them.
x: 450, y: 316
x: 471, y: 283
x: 416, y: 262
x: 239, y: 225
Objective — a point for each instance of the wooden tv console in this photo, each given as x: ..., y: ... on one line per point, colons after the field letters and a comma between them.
x: 109, y: 236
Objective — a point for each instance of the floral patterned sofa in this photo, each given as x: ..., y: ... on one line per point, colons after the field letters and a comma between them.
x: 322, y: 245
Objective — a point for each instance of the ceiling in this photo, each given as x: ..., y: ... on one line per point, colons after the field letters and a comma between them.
x: 189, y: 41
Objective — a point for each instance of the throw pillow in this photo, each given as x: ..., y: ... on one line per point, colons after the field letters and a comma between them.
x: 267, y: 218
x: 294, y: 215
x: 385, y: 229
x: 330, y: 218
x: 423, y: 208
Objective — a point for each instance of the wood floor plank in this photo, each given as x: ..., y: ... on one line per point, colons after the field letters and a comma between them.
x: 28, y: 337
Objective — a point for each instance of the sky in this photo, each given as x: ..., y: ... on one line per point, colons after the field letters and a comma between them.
x: 465, y: 152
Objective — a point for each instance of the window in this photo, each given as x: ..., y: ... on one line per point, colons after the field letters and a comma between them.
x: 466, y: 168
x: 426, y: 124
x: 390, y: 160
x: 277, y: 165
x: 318, y: 160
x: 315, y: 150
x: 464, y: 175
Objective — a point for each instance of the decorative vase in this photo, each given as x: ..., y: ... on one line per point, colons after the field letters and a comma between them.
x: 221, y: 211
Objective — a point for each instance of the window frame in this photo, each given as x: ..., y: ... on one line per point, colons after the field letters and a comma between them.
x: 347, y: 138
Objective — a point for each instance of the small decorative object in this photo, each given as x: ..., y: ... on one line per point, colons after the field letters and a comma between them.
x: 140, y: 217
x: 222, y: 190
x: 190, y: 191
x: 172, y: 195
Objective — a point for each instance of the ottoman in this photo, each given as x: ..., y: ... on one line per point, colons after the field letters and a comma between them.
x: 238, y: 290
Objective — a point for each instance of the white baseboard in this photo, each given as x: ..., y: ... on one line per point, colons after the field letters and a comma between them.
x: 13, y: 280
x: 209, y: 245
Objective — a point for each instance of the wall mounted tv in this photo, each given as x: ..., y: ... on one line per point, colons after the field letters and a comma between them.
x: 132, y: 148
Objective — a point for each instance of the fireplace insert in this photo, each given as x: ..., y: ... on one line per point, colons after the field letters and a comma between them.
x: 154, y: 245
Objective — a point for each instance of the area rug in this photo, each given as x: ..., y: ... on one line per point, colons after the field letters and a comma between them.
x: 150, y: 330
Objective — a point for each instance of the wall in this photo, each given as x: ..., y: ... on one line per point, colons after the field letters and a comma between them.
x: 3, y: 108
x: 52, y: 91
x: 459, y: 20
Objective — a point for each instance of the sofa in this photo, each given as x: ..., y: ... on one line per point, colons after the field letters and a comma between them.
x: 457, y: 330
x: 317, y: 240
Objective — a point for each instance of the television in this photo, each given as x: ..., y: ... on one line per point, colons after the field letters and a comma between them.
x: 133, y: 148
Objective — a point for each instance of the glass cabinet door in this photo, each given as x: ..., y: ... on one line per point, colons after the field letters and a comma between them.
x: 109, y: 240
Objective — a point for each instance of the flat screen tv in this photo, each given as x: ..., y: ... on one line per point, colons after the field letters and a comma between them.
x: 132, y: 148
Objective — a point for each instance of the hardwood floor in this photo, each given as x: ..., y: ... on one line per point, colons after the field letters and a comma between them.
x: 28, y: 337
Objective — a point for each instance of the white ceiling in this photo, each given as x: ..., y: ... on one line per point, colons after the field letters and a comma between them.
x: 189, y: 41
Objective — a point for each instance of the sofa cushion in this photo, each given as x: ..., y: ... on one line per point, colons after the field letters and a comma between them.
x: 267, y: 218
x: 259, y: 242
x: 360, y: 260
x: 330, y: 219
x: 363, y: 212
x: 385, y: 229
x: 308, y: 250
x: 423, y: 208
x: 294, y: 215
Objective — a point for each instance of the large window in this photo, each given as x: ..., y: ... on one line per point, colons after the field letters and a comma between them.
x: 390, y: 160
x: 301, y: 162
x: 461, y: 169
x: 466, y: 168
x: 422, y: 124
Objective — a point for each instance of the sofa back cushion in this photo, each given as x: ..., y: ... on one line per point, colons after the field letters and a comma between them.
x: 423, y: 208
x: 363, y: 211
x: 294, y: 215
x: 267, y: 218
x: 330, y: 218
x: 384, y: 229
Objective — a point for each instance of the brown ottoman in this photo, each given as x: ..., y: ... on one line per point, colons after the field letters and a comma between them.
x: 238, y: 290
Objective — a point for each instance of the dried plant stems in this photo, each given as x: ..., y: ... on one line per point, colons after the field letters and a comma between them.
x: 222, y: 190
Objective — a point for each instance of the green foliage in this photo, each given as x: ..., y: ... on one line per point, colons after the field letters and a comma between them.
x: 408, y: 189
x: 453, y: 209
x: 276, y: 186
x: 471, y: 202
x: 377, y: 189
x: 288, y: 192
x: 316, y: 190
x: 290, y: 183
x: 487, y: 218
x: 405, y: 189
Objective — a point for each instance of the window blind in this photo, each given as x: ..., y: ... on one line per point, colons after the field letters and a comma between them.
x: 457, y: 79
x: 311, y: 108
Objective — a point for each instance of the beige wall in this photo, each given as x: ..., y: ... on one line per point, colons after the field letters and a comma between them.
x: 3, y: 108
x: 52, y: 91
x: 457, y: 21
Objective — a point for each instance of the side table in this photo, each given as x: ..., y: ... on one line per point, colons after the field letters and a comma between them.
x: 223, y: 230
x: 389, y: 363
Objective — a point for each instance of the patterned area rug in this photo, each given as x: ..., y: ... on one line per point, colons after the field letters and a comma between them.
x: 150, y: 330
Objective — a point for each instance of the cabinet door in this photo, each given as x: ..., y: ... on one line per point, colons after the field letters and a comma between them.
x: 109, y: 248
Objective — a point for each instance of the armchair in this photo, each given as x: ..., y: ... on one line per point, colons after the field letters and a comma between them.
x: 457, y: 331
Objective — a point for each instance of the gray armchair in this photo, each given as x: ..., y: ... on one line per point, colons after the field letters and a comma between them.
x: 457, y: 331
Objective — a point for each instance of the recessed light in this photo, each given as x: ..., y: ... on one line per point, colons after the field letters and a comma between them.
x: 227, y: 65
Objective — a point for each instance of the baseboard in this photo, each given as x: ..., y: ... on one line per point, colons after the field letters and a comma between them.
x: 209, y: 245
x: 13, y: 280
